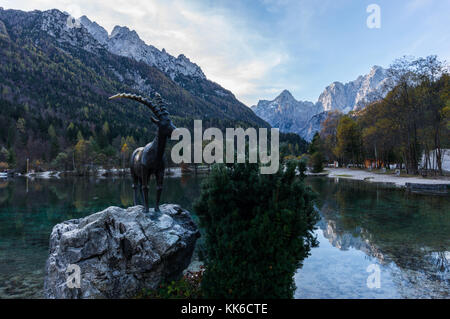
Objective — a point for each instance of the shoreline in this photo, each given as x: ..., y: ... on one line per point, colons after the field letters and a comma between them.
x: 345, y: 173
x: 371, y: 177
x: 101, y: 173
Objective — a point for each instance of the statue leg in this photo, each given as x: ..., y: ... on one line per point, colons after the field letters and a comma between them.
x: 159, y: 187
x: 144, y: 190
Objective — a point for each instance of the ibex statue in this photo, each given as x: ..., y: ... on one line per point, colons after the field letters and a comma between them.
x: 149, y: 160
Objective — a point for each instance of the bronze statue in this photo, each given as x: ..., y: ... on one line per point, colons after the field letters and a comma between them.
x: 149, y: 160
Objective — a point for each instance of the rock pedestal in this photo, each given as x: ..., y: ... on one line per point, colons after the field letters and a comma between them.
x: 118, y: 252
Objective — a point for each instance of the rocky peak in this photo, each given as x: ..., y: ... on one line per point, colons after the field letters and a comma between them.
x: 285, y: 96
x: 285, y: 112
x: 66, y: 30
x: 125, y: 33
x: 122, y: 41
x: 286, y: 93
x: 125, y: 42
x: 355, y: 94
x: 193, y: 95
x: 376, y: 68
x: 97, y: 31
x: 308, y: 117
x: 283, y: 101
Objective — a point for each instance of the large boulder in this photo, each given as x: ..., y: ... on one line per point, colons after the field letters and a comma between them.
x: 118, y: 252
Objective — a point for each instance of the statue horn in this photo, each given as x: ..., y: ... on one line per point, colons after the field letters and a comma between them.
x: 137, y: 98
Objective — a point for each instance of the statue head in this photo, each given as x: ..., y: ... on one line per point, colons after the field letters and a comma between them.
x: 162, y: 120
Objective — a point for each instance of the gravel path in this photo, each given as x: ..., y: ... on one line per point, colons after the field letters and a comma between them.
x: 381, y: 178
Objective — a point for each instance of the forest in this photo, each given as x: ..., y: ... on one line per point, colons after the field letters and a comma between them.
x: 55, y: 109
x: 409, y: 127
x: 56, y: 114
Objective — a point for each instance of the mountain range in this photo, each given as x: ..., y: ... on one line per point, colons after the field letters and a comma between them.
x: 95, y: 63
x: 56, y: 74
x: 305, y: 118
x: 285, y: 112
x: 125, y: 42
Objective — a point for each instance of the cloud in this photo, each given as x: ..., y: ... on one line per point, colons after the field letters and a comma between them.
x: 229, y: 51
x: 258, y: 48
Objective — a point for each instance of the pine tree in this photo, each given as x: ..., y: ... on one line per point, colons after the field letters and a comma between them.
x: 316, y: 152
x: 258, y: 231
x: 11, y: 158
x: 54, y: 145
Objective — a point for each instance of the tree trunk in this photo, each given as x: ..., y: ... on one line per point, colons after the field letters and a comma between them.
x: 437, y: 145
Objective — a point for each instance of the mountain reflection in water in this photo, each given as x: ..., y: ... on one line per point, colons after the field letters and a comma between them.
x: 407, y: 235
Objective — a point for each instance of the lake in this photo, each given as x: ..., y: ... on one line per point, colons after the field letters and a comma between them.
x: 400, y: 237
x: 406, y: 236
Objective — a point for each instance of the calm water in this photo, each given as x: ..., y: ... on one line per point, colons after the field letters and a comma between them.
x: 407, y: 236
x: 30, y: 209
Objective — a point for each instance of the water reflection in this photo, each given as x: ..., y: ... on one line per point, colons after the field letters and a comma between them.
x: 30, y: 208
x: 408, y: 235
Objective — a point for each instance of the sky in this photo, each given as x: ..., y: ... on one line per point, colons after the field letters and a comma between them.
x: 258, y: 48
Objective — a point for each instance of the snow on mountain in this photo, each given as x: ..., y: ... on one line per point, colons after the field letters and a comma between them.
x: 355, y: 94
x: 65, y: 29
x: 305, y: 118
x: 285, y: 112
x: 125, y: 42
x: 122, y: 41
x: 193, y: 89
x: 97, y: 31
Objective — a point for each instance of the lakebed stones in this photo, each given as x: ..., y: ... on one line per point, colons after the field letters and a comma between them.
x: 117, y: 252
